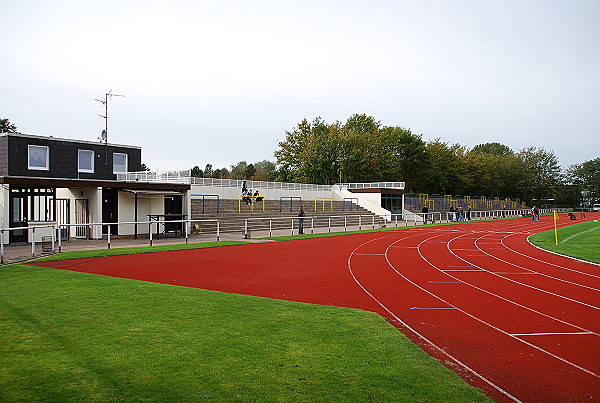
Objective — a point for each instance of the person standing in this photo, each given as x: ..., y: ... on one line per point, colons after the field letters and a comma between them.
x: 244, y: 188
x: 451, y: 213
x: 425, y: 210
x: 301, y: 216
x: 536, y: 213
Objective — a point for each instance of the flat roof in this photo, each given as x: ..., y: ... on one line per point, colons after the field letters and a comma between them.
x: 37, y: 136
x: 68, y: 183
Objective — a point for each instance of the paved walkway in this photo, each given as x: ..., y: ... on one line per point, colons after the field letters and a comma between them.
x: 14, y: 253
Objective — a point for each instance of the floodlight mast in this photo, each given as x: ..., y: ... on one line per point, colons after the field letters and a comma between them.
x: 104, y: 137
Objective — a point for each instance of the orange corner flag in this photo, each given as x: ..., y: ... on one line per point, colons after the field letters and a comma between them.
x: 555, y: 227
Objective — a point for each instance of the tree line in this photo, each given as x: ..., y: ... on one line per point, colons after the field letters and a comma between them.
x: 363, y: 150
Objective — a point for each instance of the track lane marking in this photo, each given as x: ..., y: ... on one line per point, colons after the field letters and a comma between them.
x: 550, y: 333
x: 422, y: 337
x: 523, y: 284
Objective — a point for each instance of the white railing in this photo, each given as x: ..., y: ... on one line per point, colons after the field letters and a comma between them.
x: 250, y: 184
x: 384, y: 185
x: 183, y: 176
x: 309, y: 222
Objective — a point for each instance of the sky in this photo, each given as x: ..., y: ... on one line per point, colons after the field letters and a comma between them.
x: 222, y: 81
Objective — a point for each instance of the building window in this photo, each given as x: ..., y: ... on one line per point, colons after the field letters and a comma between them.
x: 119, y: 163
x: 38, y: 158
x: 85, y: 161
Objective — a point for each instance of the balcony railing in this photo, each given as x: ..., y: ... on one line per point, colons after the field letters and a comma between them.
x: 383, y: 185
x: 185, y: 176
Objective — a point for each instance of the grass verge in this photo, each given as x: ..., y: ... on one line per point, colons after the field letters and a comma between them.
x: 70, y: 336
x: 138, y: 249
x: 579, y: 240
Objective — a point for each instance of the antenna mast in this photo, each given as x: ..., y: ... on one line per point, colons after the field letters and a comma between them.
x: 104, y: 136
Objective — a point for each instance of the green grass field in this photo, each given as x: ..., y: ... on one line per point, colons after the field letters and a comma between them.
x: 581, y: 240
x: 70, y: 336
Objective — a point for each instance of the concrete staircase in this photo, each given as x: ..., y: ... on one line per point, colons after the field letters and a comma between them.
x: 232, y: 216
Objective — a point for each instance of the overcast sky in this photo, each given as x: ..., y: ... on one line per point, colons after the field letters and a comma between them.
x: 222, y: 81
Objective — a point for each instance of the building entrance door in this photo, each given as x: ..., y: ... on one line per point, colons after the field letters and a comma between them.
x: 18, y: 218
x: 81, y: 217
x: 110, y: 211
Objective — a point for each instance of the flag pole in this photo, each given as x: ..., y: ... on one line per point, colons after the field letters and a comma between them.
x: 555, y: 227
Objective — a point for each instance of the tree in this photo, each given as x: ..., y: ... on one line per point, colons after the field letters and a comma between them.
x: 541, y: 174
x: 448, y: 168
x: 587, y: 177
x: 405, y: 157
x: 310, y: 153
x: 265, y: 171
x: 208, y: 170
x: 492, y: 148
x: 196, y: 172
x: 7, y: 127
x: 221, y: 173
x: 250, y: 171
x: 238, y: 171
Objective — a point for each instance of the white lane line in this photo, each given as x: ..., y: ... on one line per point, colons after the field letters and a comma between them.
x: 502, y: 298
x: 549, y: 263
x: 542, y: 274
x: 523, y: 284
x: 444, y: 282
x: 463, y: 270
x: 432, y: 309
x: 370, y: 254
x: 425, y: 339
x: 549, y: 333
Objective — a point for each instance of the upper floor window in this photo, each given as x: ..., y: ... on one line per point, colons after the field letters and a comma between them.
x: 85, y: 161
x: 119, y: 163
x: 38, y: 158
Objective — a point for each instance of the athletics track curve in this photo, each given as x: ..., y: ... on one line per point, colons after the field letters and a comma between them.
x: 521, y: 323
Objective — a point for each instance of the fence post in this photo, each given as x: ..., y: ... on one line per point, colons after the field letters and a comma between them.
x: 32, y: 241
x: 53, y: 237
x: 270, y: 226
x: 150, y: 227
x: 373, y: 222
x: 185, y: 228
x: 218, y: 228
x: 360, y: 223
x: 246, y: 228
x: 329, y: 225
x: 312, y: 225
x: 59, y: 240
x: 108, y: 237
x: 292, y: 226
x: 345, y: 223
x: 2, y: 245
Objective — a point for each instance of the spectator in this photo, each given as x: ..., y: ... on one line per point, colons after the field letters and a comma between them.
x: 301, y: 220
x: 452, y: 218
x: 258, y: 197
x: 425, y: 211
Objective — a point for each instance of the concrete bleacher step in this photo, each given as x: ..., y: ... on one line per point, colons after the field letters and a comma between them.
x: 232, y: 215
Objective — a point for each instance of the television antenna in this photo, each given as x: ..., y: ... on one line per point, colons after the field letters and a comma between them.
x: 104, y: 136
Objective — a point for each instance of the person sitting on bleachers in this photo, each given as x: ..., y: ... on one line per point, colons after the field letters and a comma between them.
x: 258, y: 197
x: 246, y: 199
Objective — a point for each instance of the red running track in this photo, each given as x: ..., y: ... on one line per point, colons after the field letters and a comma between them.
x: 521, y: 323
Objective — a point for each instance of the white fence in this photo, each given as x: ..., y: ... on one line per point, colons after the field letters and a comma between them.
x: 54, y: 241
x: 295, y: 221
x: 369, y: 185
